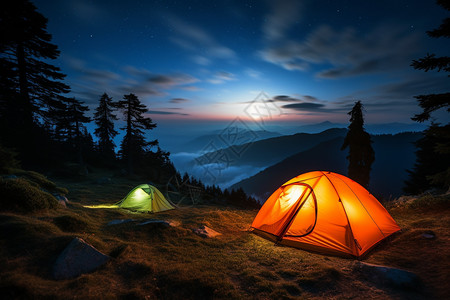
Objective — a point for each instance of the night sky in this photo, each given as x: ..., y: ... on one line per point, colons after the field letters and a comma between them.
x: 207, y: 60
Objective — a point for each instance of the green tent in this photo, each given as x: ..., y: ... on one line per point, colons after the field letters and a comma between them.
x: 143, y: 198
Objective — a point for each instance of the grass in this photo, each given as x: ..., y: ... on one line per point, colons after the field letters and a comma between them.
x: 154, y: 261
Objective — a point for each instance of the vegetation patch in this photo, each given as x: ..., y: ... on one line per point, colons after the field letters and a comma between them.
x: 20, y: 195
x: 71, y: 223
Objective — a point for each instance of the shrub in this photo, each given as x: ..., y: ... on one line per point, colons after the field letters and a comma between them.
x: 19, y: 195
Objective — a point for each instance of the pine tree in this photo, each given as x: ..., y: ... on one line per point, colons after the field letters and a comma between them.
x: 432, y: 168
x: 26, y: 49
x: 104, y: 119
x: 134, y: 145
x: 74, y: 125
x: 30, y: 86
x: 360, y: 154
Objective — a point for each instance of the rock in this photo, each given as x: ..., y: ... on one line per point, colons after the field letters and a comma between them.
x: 430, y: 235
x: 383, y: 275
x: 121, y: 221
x: 76, y: 259
x: 61, y: 199
x: 155, y: 221
x: 206, y: 232
x: 174, y: 223
x: 402, y: 200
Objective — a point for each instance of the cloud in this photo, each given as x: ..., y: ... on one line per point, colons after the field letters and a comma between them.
x: 172, y: 79
x: 387, y: 47
x: 162, y: 112
x: 201, y: 60
x: 400, y: 95
x: 304, y: 106
x: 146, y: 83
x: 221, y: 77
x: 193, y: 38
x: 284, y: 98
x: 178, y: 100
x: 87, y: 12
x: 283, y: 15
x: 190, y: 88
x: 253, y: 73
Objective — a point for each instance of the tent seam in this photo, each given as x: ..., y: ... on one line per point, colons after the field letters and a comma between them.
x: 364, y: 207
x: 345, y: 212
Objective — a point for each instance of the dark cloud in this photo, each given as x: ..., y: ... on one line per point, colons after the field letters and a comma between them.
x: 161, y: 79
x: 303, y: 98
x: 140, y: 89
x: 161, y: 112
x: 304, y: 106
x: 178, y: 100
x: 387, y: 47
x: 284, y: 98
x: 172, y: 80
x: 191, y: 38
x: 284, y: 13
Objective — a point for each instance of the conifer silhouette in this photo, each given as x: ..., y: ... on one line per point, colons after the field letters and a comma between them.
x: 360, y: 155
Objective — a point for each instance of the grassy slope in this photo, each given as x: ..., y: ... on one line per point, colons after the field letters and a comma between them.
x: 173, y: 263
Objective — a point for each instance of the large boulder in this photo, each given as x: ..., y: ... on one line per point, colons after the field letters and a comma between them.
x: 78, y: 258
x: 382, y: 275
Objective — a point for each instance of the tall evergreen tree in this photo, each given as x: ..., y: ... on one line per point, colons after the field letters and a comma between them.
x: 432, y: 168
x: 73, y: 125
x: 33, y: 84
x: 104, y: 119
x: 134, y: 145
x: 360, y: 155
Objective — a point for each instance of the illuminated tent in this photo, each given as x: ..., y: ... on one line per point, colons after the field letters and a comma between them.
x: 324, y: 212
x: 143, y: 198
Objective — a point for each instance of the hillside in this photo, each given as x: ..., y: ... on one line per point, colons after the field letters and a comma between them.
x: 223, y: 139
x: 394, y: 154
x: 171, y: 262
x: 270, y: 151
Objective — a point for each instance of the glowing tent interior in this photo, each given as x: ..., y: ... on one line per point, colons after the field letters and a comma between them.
x: 143, y: 198
x: 324, y: 212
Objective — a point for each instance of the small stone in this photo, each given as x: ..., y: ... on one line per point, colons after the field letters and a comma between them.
x: 62, y: 200
x: 206, y: 232
x: 429, y: 235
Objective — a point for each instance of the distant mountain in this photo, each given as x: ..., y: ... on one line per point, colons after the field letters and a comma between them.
x: 319, y: 127
x: 394, y: 154
x: 394, y: 128
x: 267, y: 152
x: 385, y: 128
x: 227, y: 137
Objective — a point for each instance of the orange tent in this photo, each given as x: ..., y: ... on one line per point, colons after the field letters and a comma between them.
x: 325, y: 212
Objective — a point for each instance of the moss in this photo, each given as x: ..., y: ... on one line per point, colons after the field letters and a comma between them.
x: 428, y: 201
x: 19, y: 195
x: 70, y: 223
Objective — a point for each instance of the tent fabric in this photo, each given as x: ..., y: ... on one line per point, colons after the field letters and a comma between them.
x: 143, y: 198
x: 325, y: 212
